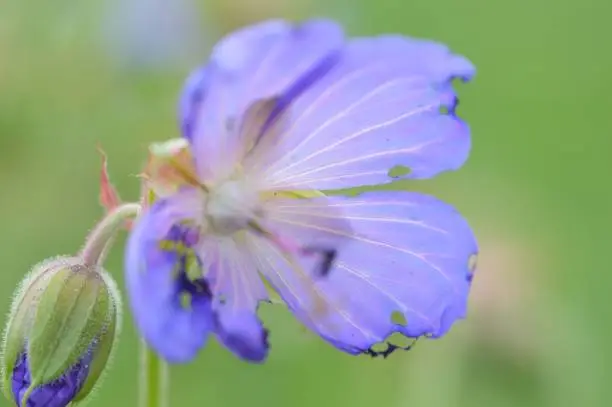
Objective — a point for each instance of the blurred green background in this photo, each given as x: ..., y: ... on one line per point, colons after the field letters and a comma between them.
x: 536, y: 189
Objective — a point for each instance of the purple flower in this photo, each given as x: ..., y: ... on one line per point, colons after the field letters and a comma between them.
x: 279, y: 114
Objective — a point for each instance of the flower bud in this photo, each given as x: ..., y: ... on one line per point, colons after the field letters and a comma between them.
x: 60, y: 333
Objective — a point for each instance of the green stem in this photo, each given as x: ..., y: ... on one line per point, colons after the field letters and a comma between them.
x: 154, y: 379
x: 101, y: 237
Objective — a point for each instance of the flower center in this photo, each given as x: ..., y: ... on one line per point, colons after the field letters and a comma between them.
x: 230, y: 206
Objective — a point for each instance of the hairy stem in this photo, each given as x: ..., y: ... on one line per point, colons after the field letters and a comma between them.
x: 101, y: 237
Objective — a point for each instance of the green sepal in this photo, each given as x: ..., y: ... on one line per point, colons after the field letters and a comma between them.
x: 21, y: 316
x: 70, y: 314
x: 104, y: 343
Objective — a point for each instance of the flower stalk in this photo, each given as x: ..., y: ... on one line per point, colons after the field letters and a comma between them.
x: 153, y: 372
x: 101, y: 238
x: 154, y: 379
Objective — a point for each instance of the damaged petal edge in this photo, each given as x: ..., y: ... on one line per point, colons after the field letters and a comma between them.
x: 389, y: 349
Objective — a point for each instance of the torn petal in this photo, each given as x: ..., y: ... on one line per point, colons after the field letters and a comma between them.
x: 387, y: 102
x: 405, y: 252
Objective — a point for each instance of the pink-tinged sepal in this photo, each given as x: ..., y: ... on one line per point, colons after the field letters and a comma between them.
x: 169, y: 167
x: 109, y: 197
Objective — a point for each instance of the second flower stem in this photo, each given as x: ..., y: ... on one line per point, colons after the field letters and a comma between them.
x: 154, y: 379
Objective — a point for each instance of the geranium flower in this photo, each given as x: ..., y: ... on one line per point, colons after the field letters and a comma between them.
x: 280, y: 115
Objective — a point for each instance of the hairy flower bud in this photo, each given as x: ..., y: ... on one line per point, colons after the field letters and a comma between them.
x: 60, y: 334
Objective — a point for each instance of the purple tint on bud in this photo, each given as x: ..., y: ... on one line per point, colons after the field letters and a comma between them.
x: 59, y: 393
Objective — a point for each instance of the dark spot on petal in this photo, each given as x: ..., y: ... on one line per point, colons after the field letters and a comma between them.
x: 326, y: 263
x: 398, y: 171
